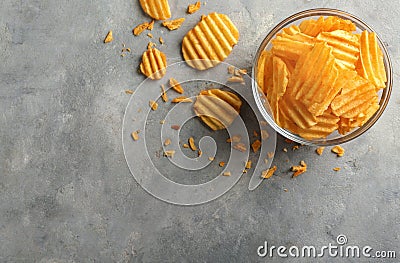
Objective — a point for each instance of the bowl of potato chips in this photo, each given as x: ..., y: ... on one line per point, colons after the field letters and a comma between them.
x: 322, y: 77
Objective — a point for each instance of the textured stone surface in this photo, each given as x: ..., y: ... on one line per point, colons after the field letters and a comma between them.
x: 67, y: 194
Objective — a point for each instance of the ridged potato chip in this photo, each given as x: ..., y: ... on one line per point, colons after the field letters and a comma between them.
x: 154, y: 63
x: 157, y: 9
x: 217, y: 108
x: 313, y: 27
x: 210, y: 41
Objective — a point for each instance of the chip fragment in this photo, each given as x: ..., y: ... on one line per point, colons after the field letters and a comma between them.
x: 192, y: 8
x: 210, y: 41
x: 174, y: 24
x: 157, y: 9
x: 153, y: 64
x: 109, y: 37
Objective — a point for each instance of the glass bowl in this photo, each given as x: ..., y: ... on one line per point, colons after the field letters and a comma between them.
x: 334, y: 138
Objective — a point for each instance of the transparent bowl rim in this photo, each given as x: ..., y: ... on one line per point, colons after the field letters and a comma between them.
x: 356, y: 132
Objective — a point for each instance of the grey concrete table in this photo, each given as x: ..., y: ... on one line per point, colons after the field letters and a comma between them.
x: 67, y: 194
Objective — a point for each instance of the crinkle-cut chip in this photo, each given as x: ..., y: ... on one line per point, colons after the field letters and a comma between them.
x: 157, y: 9
x: 210, y: 41
x: 264, y: 69
x: 300, y: 37
x: 345, y: 46
x: 288, y: 49
x: 314, y: 77
x: 371, y: 60
x: 353, y: 99
x: 325, y: 125
x: 294, y: 111
x: 217, y: 108
x: 173, y: 24
x: 279, y: 84
x: 313, y: 27
x: 292, y: 30
x: 153, y: 64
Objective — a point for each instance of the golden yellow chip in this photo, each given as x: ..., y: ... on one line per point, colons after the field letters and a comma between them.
x: 371, y: 60
x: 295, y: 112
x: 289, y: 49
x: 173, y: 24
x: 279, y: 84
x: 157, y: 9
x: 217, y: 108
x: 292, y: 30
x: 153, y: 64
x: 314, y: 27
x: 210, y: 41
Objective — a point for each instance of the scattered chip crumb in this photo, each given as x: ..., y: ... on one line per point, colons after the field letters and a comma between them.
x: 129, y: 91
x: 269, y: 172
x: 242, y: 71
x: 285, y: 150
x: 227, y: 173
x: 135, y: 136
x: 173, y: 24
x: 153, y: 105
x: 192, y: 8
x: 169, y: 153
x: 211, y: 158
x: 286, y: 190
x: 150, y: 25
x: 336, y: 169
x: 240, y: 147
x: 244, y: 171
x: 175, y: 127
x: 175, y: 85
x: 231, y: 69
x: 199, y: 153
x: 299, y: 169
x: 320, y: 150
x: 122, y: 55
x: 270, y: 155
x: 248, y: 164
x: 167, y: 142
x: 161, y: 41
x: 109, y: 37
x: 150, y: 35
x: 221, y: 164
x: 264, y: 135
x: 181, y: 99
x: 236, y: 79
x: 163, y: 94
x: 142, y: 27
x: 255, y: 133
x: 192, y: 144
x: 185, y: 145
x: 256, y: 145
x: 338, y: 150
x: 295, y: 147
x: 234, y: 138
x: 162, y: 121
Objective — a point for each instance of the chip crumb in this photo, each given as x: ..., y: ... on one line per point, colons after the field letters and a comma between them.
x: 285, y: 150
x: 169, y: 153
x: 245, y: 171
x: 234, y: 138
x: 173, y: 24
x: 161, y: 41
x: 264, y: 135
x: 221, y: 164
x: 240, y: 147
x: 150, y: 35
x: 242, y: 71
x: 192, y: 144
x: 236, y: 79
x: 167, y: 142
x: 336, y: 169
x: 129, y: 91
x: 199, y: 153
x: 248, y: 164
x: 299, y: 169
x: 338, y: 150
x: 175, y: 85
x: 211, y: 158
x: 185, y: 145
x: 181, y: 99
x: 162, y: 121
x: 320, y: 150
x: 270, y: 155
x: 135, y: 135
x: 175, y: 127
x: 231, y: 69
x: 269, y: 172
x: 255, y: 133
x: 285, y: 189
x: 227, y: 173
x: 122, y: 55
x: 295, y: 147
x: 256, y: 145
x: 153, y: 105
x: 109, y: 37
x: 163, y: 93
x: 140, y: 28
x: 192, y: 8
x: 150, y: 25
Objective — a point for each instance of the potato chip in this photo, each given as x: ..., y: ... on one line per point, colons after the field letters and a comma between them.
x: 371, y: 60
x: 279, y: 84
x: 217, y: 108
x: 295, y: 112
x: 314, y: 27
x: 157, y: 9
x: 289, y: 49
x: 210, y: 41
x: 153, y: 64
